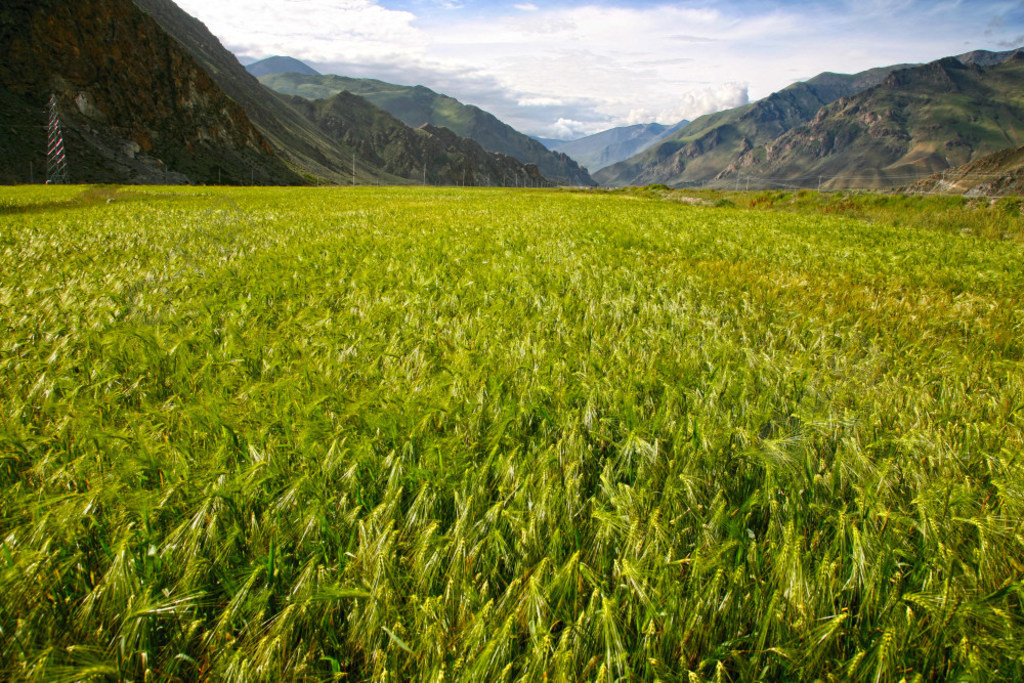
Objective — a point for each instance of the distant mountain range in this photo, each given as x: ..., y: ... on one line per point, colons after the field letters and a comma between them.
x: 918, y: 121
x: 418, y: 105
x: 431, y: 154
x: 617, y: 144
x: 550, y: 143
x: 280, y: 65
x: 698, y: 152
x: 147, y: 94
x: 872, y: 129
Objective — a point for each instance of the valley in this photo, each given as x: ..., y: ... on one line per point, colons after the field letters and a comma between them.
x: 312, y: 376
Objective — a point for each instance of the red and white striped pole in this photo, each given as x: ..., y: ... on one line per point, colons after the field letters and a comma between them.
x: 56, y: 159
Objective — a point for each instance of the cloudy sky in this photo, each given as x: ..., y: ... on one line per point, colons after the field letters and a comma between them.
x: 569, y: 68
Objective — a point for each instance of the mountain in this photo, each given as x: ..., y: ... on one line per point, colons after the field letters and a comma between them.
x: 715, y: 149
x: 135, y: 106
x: 986, y: 58
x: 617, y: 144
x: 417, y: 105
x: 296, y: 139
x: 698, y: 152
x: 280, y: 65
x: 326, y: 138
x: 918, y: 121
x: 430, y: 154
x: 994, y: 175
x: 550, y: 143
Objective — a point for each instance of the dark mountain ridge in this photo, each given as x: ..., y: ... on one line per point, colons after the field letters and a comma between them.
x: 136, y: 107
x: 295, y: 138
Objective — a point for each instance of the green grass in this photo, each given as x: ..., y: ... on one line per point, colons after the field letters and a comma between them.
x: 393, y: 434
x: 998, y: 219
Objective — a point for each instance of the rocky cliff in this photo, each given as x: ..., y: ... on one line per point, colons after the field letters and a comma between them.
x: 136, y: 107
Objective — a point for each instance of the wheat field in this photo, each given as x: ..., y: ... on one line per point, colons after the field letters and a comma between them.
x: 489, y: 435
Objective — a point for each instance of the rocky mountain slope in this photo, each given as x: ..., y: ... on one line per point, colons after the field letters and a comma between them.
x: 918, y: 121
x: 614, y: 145
x: 715, y: 149
x: 700, y: 151
x: 136, y: 107
x: 994, y: 175
x: 322, y: 139
x: 293, y: 137
x: 417, y: 105
x: 431, y: 155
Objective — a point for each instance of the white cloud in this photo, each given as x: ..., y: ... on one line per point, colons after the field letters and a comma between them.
x: 694, y: 103
x: 526, y: 7
x: 539, y: 102
x: 568, y: 129
x: 316, y: 30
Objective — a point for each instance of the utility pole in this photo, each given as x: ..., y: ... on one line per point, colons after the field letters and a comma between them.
x: 353, y: 169
x: 56, y: 160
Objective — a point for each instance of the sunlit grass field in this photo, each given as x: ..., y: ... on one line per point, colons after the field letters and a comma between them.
x: 488, y: 435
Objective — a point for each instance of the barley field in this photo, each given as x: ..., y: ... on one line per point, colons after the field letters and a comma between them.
x: 489, y: 435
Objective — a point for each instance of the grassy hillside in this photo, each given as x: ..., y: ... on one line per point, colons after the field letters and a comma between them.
x: 417, y: 105
x: 407, y: 434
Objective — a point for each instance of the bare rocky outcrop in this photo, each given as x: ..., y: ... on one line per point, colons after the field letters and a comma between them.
x: 135, y: 106
x: 995, y: 175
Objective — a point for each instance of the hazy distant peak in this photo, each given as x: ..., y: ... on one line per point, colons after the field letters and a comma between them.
x: 280, y: 65
x: 987, y: 58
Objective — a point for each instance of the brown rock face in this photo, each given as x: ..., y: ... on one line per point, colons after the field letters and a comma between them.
x: 136, y: 107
